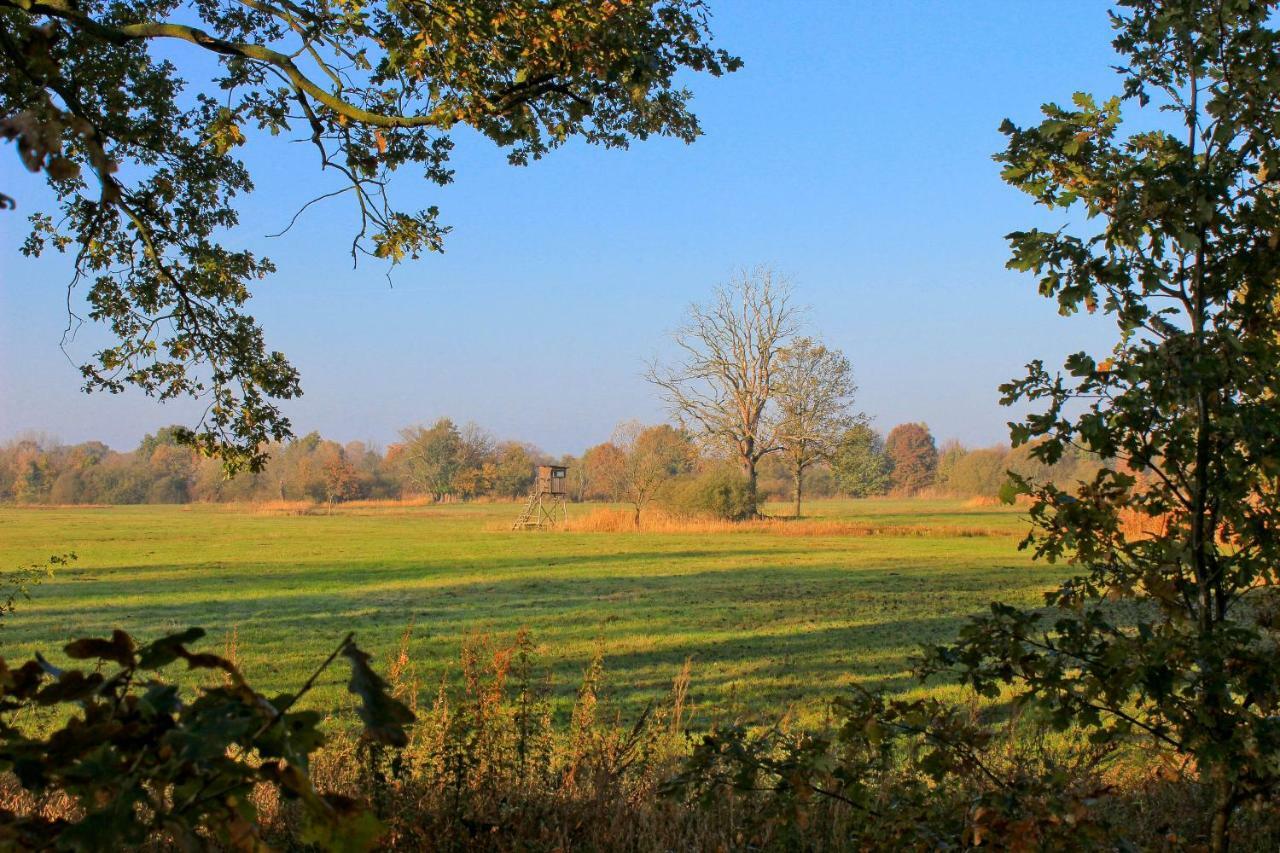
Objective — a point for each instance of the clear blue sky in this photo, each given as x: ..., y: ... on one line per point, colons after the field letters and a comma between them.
x: 852, y: 153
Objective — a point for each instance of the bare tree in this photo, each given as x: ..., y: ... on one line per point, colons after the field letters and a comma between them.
x: 721, y: 387
x: 814, y: 393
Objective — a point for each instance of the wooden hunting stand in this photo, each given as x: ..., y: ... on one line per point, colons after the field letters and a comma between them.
x: 548, y: 503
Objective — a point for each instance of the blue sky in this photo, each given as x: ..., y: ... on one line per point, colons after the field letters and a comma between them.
x: 851, y: 153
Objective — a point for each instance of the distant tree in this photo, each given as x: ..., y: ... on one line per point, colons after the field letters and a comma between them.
x: 211, y: 482
x: 774, y: 481
x: 137, y: 138
x: 338, y: 476
x: 575, y: 476
x: 296, y: 470
x: 169, y: 436
x: 513, y: 471
x: 32, y: 473
x: 651, y: 457
x: 69, y: 487
x: 951, y: 452
x: 432, y: 456
x: 171, y: 470
x: 814, y: 394
x: 472, y: 475
x: 859, y: 463
x: 981, y: 472
x: 602, y: 471
x: 913, y: 456
x: 725, y: 378
x: 473, y: 480
x: 367, y: 465
x: 120, y: 479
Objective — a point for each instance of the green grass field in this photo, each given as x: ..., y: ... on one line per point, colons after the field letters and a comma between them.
x: 770, y: 620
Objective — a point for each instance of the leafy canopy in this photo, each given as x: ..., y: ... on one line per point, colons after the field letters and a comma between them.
x: 860, y: 465
x: 142, y: 156
x: 1183, y: 526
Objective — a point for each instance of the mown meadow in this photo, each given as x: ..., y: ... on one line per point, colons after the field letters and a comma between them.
x: 776, y: 616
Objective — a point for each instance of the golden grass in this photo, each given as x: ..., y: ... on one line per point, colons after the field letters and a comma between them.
x: 609, y: 520
x: 284, y: 508
x: 279, y: 507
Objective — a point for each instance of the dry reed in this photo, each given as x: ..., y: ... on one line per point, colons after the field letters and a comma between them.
x: 605, y: 520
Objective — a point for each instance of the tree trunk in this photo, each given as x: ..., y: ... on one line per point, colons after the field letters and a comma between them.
x: 1223, y: 805
x: 635, y: 521
x: 798, y: 471
x: 749, y: 469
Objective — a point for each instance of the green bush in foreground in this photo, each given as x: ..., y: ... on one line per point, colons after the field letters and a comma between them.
x: 135, y: 762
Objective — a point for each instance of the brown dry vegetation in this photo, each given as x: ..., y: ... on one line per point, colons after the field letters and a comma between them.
x: 278, y: 507
x: 490, y: 767
x: 608, y: 520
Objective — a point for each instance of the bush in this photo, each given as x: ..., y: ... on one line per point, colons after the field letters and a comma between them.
x: 135, y: 764
x: 718, y: 493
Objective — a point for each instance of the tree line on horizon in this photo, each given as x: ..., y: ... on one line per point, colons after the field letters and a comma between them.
x: 445, y: 462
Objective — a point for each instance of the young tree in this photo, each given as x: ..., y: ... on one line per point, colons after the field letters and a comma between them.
x: 651, y: 457
x: 1182, y: 255
x: 815, y: 390
x: 723, y: 384
x: 913, y: 457
x: 116, y: 105
x: 860, y: 464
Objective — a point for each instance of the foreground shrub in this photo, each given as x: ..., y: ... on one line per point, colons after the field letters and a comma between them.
x: 906, y: 775
x: 925, y: 774
x: 131, y: 762
x: 491, y: 765
x: 719, y: 493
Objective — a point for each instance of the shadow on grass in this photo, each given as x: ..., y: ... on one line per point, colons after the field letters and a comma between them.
x: 760, y: 637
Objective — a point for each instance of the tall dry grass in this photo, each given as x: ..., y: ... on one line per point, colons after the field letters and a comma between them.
x: 490, y: 767
x: 309, y: 507
x: 607, y: 520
